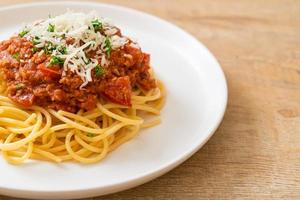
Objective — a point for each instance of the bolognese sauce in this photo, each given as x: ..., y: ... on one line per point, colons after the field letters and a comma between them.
x: 60, y: 69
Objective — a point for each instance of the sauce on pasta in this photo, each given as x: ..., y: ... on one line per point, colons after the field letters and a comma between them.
x: 73, y: 88
x: 34, y: 77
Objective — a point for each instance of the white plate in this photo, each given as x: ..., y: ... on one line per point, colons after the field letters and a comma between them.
x: 196, y: 101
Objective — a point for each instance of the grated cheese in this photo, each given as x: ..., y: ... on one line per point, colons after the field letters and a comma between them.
x: 80, y: 27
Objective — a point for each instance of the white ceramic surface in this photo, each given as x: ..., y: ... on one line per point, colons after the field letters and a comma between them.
x: 196, y: 102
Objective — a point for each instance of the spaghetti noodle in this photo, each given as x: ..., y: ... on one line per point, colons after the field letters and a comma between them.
x: 86, y: 137
x: 73, y: 88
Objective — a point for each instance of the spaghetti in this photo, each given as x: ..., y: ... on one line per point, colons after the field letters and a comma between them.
x: 85, y: 137
x: 73, y: 88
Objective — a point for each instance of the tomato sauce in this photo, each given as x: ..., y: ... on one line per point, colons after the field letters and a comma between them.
x: 31, y: 82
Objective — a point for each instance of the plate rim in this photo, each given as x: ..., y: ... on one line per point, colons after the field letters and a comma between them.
x: 147, y: 176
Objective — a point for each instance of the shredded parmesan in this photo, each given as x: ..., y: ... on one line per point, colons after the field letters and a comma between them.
x: 88, y: 32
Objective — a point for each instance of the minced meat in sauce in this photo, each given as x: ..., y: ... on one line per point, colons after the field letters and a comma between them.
x: 31, y: 81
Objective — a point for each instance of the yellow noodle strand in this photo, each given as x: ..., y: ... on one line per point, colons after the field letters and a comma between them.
x: 85, y: 137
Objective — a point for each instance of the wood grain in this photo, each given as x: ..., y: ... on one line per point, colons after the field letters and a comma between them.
x: 255, y: 153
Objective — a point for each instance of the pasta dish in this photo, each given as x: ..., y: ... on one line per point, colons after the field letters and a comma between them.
x: 73, y: 88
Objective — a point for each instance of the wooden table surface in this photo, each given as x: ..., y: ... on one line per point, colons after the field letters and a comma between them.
x: 255, y: 153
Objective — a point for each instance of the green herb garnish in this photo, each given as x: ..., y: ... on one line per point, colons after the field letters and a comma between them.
x: 35, y: 40
x: 90, y: 134
x: 16, y: 56
x: 56, y: 60
x: 49, y: 48
x: 34, y: 50
x: 51, y: 28
x: 97, y: 24
x: 19, y: 86
x: 99, y: 71
x: 107, y: 46
x: 23, y: 33
x: 62, y: 49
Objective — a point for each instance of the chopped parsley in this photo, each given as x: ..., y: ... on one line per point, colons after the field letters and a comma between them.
x: 56, y: 60
x: 16, y: 56
x: 107, y: 46
x: 34, y: 50
x: 35, y: 40
x: 23, y: 33
x: 19, y: 86
x: 62, y: 49
x: 90, y: 134
x: 99, y: 71
x: 97, y: 24
x: 51, y: 28
x: 49, y: 48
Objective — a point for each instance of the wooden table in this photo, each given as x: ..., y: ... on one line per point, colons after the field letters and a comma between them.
x: 255, y: 153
